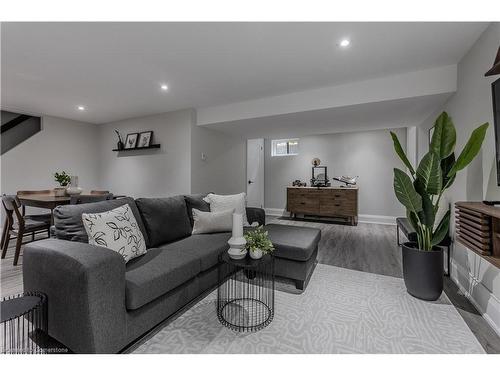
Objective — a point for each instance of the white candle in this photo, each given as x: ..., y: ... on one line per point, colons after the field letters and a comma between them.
x: 237, y: 225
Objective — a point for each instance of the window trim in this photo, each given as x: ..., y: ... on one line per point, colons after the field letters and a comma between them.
x: 274, y: 143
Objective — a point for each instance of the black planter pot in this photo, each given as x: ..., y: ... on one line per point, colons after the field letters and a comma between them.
x: 423, y: 271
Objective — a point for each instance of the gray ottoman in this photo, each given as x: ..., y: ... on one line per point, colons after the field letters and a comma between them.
x: 296, y: 249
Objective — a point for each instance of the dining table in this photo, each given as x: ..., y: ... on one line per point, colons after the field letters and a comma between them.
x: 49, y: 201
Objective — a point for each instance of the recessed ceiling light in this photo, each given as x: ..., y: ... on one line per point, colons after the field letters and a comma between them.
x: 81, y: 108
x: 344, y: 43
x: 164, y: 87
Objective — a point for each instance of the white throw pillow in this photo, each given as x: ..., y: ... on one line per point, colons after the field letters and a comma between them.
x: 234, y: 202
x: 212, y: 222
x: 117, y: 230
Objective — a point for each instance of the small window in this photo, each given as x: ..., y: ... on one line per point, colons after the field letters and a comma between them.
x: 284, y: 147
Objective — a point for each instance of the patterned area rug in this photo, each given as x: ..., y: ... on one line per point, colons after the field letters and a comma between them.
x: 341, y: 311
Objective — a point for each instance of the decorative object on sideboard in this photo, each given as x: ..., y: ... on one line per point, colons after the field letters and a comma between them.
x: 119, y: 144
x: 131, y: 140
x: 495, y: 69
x: 347, y: 180
x: 421, y: 193
x: 145, y: 139
x: 319, y: 175
x: 63, y: 179
x: 258, y: 243
x: 299, y: 183
x: 73, y: 188
x: 237, y: 241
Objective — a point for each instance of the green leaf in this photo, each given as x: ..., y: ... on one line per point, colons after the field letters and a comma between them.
x: 444, y: 136
x: 401, y: 153
x: 429, y: 172
x: 446, y: 165
x: 441, y: 230
x: 405, y: 192
x: 470, y: 150
x: 412, y: 217
x: 427, y: 215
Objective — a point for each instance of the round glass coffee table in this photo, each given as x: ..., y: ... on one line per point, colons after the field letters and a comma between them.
x: 245, y: 295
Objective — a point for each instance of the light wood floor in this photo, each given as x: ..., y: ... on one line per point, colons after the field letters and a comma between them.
x: 366, y: 247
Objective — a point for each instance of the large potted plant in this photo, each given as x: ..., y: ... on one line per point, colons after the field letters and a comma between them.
x: 420, y: 192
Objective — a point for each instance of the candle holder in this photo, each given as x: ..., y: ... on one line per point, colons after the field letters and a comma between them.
x: 237, y: 242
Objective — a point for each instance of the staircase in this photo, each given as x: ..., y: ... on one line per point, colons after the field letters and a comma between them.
x: 16, y: 128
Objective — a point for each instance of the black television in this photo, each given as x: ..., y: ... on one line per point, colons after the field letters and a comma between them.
x: 495, y: 90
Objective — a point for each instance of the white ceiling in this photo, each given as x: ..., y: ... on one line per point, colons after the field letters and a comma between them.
x: 115, y: 69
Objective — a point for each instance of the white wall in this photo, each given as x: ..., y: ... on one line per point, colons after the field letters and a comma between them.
x: 224, y: 169
x: 61, y: 145
x: 148, y: 173
x: 470, y: 107
x: 367, y: 154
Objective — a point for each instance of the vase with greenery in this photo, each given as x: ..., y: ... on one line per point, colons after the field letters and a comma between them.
x: 258, y: 243
x: 63, y: 179
x: 420, y: 191
x: 119, y: 144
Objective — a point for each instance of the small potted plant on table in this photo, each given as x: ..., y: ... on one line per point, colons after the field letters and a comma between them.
x: 63, y: 179
x: 258, y: 243
x: 420, y: 192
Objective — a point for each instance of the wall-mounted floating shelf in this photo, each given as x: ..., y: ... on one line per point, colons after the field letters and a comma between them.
x: 137, y: 148
x: 478, y: 229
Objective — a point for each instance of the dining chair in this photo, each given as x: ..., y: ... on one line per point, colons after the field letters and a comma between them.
x: 18, y: 226
x: 99, y: 192
x: 34, y: 192
x: 90, y: 198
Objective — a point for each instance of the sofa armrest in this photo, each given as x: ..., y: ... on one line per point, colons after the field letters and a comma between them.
x: 256, y: 214
x: 85, y: 286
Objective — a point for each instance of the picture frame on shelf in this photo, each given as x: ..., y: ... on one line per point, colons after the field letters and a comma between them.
x: 131, y: 140
x: 145, y: 139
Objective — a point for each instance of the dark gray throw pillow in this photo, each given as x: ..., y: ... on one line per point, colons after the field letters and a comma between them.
x: 195, y: 201
x: 165, y: 219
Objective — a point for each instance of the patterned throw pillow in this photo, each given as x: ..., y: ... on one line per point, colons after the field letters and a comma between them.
x: 236, y: 202
x: 117, y: 230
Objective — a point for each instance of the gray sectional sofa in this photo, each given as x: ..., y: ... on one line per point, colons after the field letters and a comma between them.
x: 99, y: 304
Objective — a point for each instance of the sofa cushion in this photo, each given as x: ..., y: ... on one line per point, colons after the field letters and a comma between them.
x: 195, y: 201
x: 117, y: 230
x: 236, y: 202
x: 293, y: 242
x: 205, y: 247
x: 157, y: 272
x: 212, y: 222
x: 68, y: 219
x: 165, y: 219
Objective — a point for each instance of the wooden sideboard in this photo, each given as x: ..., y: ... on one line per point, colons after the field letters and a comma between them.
x: 326, y: 201
x: 478, y: 228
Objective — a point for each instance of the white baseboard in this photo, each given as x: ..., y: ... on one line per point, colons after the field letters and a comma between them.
x: 275, y: 212
x: 474, y: 291
x: 377, y: 219
x: 373, y: 219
